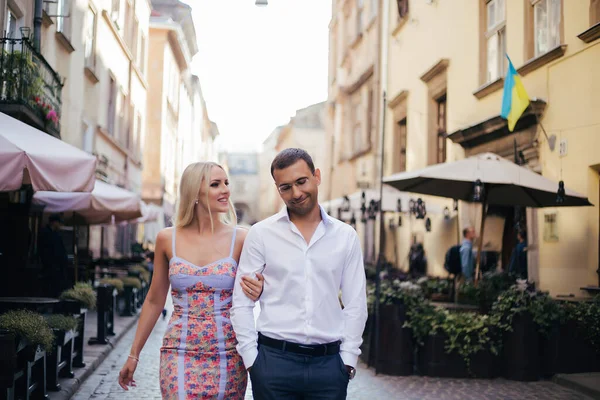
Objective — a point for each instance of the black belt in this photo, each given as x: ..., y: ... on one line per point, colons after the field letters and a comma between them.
x: 326, y: 349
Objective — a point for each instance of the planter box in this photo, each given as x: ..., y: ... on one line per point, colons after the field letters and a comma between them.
x: 549, y: 352
x: 433, y: 360
x: 366, y: 347
x: 521, y: 350
x: 59, y: 363
x: 396, y: 349
x: 575, y: 354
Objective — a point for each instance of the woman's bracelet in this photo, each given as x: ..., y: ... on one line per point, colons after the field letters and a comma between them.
x: 133, y: 357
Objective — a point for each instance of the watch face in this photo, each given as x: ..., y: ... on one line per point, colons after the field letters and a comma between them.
x: 352, y: 372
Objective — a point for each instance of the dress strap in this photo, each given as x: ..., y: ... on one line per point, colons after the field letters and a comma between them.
x: 232, y: 242
x: 173, y: 240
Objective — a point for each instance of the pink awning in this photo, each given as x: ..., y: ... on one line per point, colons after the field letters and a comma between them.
x: 28, y: 155
x: 98, y: 207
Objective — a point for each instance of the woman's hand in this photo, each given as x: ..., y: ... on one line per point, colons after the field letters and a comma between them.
x: 126, y: 374
x: 253, y: 287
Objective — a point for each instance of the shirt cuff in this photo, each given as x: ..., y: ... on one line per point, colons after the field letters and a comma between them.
x: 349, y: 358
x: 249, y: 356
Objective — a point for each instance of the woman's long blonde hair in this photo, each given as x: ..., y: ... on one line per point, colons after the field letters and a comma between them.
x: 196, y: 176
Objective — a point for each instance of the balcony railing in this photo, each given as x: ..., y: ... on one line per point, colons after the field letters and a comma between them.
x: 30, y: 89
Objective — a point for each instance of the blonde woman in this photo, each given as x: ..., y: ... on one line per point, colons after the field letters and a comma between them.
x: 198, y: 257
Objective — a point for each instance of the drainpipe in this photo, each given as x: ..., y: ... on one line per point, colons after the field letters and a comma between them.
x: 37, y: 24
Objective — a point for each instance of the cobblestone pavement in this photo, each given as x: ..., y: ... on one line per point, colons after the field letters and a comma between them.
x: 103, y: 383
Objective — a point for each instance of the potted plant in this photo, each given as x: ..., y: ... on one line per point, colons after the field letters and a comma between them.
x: 435, y: 289
x: 114, y: 282
x: 31, y: 331
x: 143, y: 272
x: 82, y: 292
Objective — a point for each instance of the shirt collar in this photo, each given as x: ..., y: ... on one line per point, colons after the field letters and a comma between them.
x: 283, y: 214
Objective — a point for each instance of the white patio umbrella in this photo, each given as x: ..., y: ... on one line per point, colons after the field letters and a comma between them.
x: 489, y: 179
x: 28, y: 155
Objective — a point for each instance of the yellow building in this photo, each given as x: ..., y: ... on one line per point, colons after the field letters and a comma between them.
x: 353, y: 111
x: 170, y: 111
x: 445, y: 79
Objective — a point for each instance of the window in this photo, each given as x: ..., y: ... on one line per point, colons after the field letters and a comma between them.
x: 374, y: 8
x: 127, y: 30
x: 546, y: 25
x: 138, y: 135
x: 112, y: 105
x: 357, y: 129
x: 115, y: 12
x: 594, y: 12
x: 11, y: 24
x: 359, y: 15
x: 441, y: 129
x: 63, y: 22
x: 90, y: 39
x: 402, y: 8
x: 142, y: 60
x: 134, y: 41
x: 495, y: 39
x: 399, y: 156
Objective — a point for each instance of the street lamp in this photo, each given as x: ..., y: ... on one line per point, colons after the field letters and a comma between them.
x: 478, y: 191
x: 560, y: 195
x: 363, y: 207
x: 346, y: 204
x: 262, y: 3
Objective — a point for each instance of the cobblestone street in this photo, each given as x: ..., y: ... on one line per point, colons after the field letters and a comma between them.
x: 366, y: 386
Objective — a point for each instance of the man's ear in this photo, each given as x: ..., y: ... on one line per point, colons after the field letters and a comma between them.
x: 318, y: 176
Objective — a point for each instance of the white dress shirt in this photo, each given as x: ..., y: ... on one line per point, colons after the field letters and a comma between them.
x: 300, y: 302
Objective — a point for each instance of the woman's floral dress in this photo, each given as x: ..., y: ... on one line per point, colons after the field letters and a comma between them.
x: 198, y: 359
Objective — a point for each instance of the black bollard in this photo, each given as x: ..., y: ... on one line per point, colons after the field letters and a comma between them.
x: 105, y: 293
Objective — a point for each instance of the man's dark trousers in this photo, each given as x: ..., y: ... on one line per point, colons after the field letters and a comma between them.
x: 283, y: 375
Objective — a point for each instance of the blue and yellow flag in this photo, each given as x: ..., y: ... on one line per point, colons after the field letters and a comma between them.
x: 514, y: 100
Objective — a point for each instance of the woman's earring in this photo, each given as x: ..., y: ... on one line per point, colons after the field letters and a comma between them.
x: 196, y: 201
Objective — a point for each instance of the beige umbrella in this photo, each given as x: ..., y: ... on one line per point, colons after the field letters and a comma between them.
x: 489, y: 179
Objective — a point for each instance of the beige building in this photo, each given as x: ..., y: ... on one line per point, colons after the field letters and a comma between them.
x: 354, y: 100
x: 92, y: 58
x: 244, y: 183
x: 170, y: 140
x: 269, y: 197
x: 445, y: 79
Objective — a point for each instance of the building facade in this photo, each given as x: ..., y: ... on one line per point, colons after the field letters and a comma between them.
x: 270, y: 201
x: 244, y: 183
x: 445, y: 104
x: 171, y: 113
x: 354, y: 101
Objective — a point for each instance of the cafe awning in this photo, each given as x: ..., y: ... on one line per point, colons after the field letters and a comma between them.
x: 98, y: 207
x: 30, y: 156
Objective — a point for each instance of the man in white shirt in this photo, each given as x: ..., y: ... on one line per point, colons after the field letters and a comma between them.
x: 304, y: 344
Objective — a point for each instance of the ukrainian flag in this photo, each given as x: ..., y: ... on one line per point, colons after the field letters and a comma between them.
x: 514, y: 99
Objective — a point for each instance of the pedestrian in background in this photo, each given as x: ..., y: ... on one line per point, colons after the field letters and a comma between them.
x: 198, y: 258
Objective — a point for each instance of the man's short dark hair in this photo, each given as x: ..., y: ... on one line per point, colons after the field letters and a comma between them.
x: 466, y: 231
x: 290, y: 156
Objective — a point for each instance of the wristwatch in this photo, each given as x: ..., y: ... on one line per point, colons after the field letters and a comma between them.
x: 351, y: 371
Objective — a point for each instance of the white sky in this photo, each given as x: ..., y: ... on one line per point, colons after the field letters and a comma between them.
x: 258, y: 65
